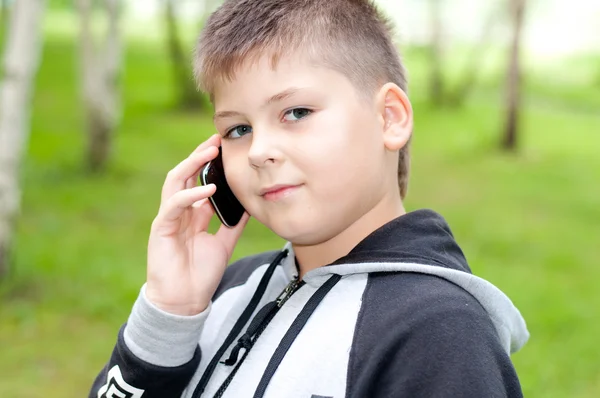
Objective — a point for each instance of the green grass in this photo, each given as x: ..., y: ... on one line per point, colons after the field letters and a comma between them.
x: 527, y: 222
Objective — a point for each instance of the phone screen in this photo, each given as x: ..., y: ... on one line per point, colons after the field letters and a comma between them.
x: 228, y: 208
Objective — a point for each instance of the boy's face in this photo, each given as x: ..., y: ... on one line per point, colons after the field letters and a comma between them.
x: 302, y: 127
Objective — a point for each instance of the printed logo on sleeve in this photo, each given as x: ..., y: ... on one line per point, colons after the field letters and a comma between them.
x: 116, y: 387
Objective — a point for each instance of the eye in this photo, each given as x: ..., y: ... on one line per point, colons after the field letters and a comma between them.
x: 293, y: 115
x: 238, y: 131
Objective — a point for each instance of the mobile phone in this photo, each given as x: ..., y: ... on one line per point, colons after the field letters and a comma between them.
x: 226, y: 205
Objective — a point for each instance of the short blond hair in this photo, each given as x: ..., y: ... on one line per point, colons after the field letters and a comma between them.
x: 350, y: 36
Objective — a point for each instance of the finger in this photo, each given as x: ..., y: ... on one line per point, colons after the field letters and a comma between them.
x: 230, y: 236
x: 182, y: 200
x: 192, y: 181
x: 177, y: 178
x: 202, y: 213
x: 213, y: 140
x: 199, y: 203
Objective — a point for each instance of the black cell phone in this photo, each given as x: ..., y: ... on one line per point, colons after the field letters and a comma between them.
x: 228, y: 208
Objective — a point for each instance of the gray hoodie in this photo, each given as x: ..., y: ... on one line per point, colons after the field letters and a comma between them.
x: 400, y: 315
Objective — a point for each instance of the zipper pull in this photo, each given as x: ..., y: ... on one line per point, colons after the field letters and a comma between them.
x: 246, y: 341
x: 288, y: 291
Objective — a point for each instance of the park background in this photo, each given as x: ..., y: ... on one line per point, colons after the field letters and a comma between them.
x: 526, y: 213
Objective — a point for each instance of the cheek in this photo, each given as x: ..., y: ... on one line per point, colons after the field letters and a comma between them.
x: 345, y: 148
x: 235, y: 164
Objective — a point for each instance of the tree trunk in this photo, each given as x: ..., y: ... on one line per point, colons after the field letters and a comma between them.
x: 100, y: 70
x: 436, y: 81
x: 21, y: 61
x: 189, y: 97
x: 513, y: 80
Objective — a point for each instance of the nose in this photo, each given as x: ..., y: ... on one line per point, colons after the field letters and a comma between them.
x: 263, y: 150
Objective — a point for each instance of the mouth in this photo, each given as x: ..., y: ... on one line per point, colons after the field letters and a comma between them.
x: 277, y: 192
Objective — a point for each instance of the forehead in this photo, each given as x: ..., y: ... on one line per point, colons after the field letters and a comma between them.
x: 263, y: 79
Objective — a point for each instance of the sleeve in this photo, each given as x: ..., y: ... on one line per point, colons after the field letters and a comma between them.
x: 434, y: 341
x: 156, y: 354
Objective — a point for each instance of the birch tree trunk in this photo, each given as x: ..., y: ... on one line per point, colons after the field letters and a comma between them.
x: 21, y: 61
x: 100, y: 71
x: 189, y: 97
x: 513, y: 79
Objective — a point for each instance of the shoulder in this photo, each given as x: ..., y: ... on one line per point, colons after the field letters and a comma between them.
x: 239, y: 271
x: 421, y: 335
x: 405, y: 304
x: 434, y: 297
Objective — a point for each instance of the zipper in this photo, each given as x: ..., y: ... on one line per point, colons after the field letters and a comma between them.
x: 293, y: 332
x: 290, y: 289
x: 256, y: 328
x: 261, y: 320
x: 241, y: 322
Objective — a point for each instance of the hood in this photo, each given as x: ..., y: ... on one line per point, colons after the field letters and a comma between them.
x: 421, y: 242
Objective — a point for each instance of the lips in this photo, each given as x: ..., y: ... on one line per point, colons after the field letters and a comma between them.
x: 276, y: 192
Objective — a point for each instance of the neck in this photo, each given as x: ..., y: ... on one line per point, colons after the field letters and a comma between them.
x: 310, y: 257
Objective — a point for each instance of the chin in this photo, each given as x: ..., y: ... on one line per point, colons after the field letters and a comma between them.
x: 304, y: 232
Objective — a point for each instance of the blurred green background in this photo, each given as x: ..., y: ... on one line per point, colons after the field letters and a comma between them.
x: 528, y: 220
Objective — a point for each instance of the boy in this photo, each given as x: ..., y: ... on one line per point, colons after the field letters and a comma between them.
x: 365, y: 300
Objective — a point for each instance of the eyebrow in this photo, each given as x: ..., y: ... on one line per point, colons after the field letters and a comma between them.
x: 275, y: 98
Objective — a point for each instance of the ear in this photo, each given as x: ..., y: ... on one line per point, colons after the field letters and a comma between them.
x: 396, y: 113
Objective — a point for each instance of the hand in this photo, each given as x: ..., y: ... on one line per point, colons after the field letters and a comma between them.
x: 185, y: 262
